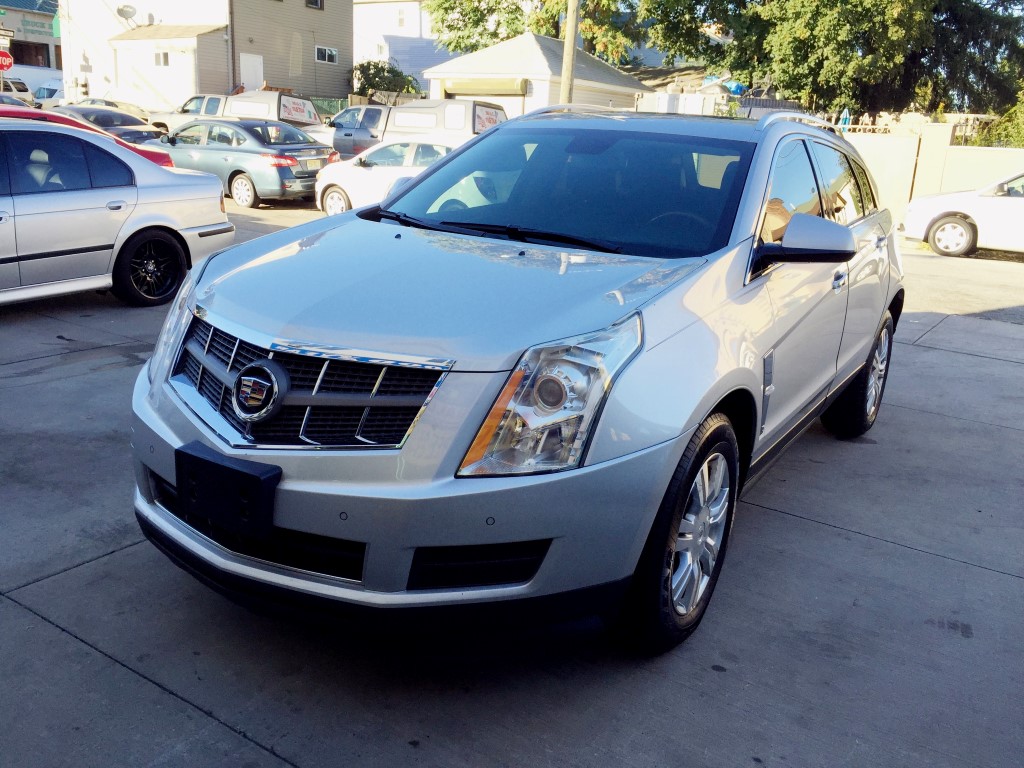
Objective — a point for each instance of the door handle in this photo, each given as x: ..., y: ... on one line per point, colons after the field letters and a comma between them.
x: 4, y: 215
x: 348, y: 134
x: 117, y: 205
x: 839, y: 280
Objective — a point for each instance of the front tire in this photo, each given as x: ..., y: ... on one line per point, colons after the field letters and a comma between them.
x: 685, y: 550
x: 951, y: 236
x: 335, y: 201
x: 243, y: 191
x: 854, y: 412
x: 149, y: 269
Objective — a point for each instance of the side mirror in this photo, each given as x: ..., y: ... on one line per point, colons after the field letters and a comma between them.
x: 328, y: 122
x: 811, y: 240
x: 362, y: 162
x: 168, y: 139
x: 1000, y: 190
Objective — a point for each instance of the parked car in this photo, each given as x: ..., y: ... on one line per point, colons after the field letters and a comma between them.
x: 79, y: 212
x: 255, y: 160
x: 12, y: 86
x: 128, y: 127
x: 556, y: 391
x: 358, y: 128
x: 257, y: 105
x: 121, y: 106
x: 368, y: 177
x: 154, y: 154
x: 50, y: 94
x: 957, y: 223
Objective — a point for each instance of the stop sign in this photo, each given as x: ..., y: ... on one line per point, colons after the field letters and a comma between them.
x: 6, y: 61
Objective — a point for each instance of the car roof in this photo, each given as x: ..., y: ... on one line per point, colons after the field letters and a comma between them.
x: 728, y: 128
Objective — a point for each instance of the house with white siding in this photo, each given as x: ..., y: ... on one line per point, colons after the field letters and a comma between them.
x: 398, y: 31
x: 157, y: 53
x: 525, y: 73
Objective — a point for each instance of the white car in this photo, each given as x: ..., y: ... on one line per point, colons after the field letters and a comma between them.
x: 958, y: 222
x: 367, y: 177
x: 78, y: 212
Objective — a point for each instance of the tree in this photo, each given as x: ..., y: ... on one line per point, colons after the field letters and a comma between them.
x: 376, y: 76
x: 863, y: 54
x: 608, y: 27
x: 1008, y: 130
x: 463, y: 26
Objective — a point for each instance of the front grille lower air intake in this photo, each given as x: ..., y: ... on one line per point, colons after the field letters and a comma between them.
x: 330, y: 402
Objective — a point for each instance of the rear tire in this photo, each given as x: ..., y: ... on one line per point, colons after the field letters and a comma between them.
x: 685, y: 550
x: 243, y: 191
x: 951, y: 236
x: 854, y: 412
x: 149, y: 269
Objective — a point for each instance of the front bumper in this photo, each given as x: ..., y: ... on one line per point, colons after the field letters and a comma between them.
x: 583, y: 528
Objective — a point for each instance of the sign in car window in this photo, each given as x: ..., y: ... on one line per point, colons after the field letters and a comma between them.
x: 486, y: 117
x: 298, y: 110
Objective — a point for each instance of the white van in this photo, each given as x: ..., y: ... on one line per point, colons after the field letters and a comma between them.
x: 50, y: 94
x: 17, y: 88
x: 34, y: 77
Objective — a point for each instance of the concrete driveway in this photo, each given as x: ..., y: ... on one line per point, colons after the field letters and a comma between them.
x: 871, y: 612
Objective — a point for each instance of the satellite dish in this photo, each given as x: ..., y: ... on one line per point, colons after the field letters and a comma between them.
x: 126, y: 11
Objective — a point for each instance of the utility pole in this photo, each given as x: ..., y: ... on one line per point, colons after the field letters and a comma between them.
x: 569, y: 51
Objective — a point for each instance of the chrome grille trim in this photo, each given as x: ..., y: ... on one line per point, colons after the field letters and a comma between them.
x: 310, y: 417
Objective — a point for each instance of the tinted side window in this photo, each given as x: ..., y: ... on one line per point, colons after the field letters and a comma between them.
x: 106, y: 170
x: 371, y: 119
x: 390, y: 155
x: 792, y: 189
x: 865, y: 186
x: 212, y: 105
x: 191, y: 135
x: 5, y: 180
x: 838, y: 185
x: 46, y: 162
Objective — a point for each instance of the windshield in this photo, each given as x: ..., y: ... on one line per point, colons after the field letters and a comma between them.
x: 642, y: 193
x: 279, y: 133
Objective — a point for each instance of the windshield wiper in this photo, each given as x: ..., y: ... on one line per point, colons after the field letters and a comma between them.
x: 529, y: 235
x: 408, y: 221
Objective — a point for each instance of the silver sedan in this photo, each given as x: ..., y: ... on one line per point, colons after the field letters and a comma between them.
x: 78, y: 212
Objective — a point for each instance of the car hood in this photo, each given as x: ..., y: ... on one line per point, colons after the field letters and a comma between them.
x: 382, y: 289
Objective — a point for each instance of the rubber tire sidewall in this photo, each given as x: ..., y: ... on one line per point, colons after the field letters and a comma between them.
x: 340, y: 191
x: 254, y: 201
x: 123, y: 287
x: 968, y: 245
x: 649, y: 621
x: 847, y: 416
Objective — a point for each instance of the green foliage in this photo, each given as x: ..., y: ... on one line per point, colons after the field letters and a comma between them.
x: 609, y: 28
x: 1007, y: 131
x: 374, y: 76
x: 862, y: 54
x: 463, y: 26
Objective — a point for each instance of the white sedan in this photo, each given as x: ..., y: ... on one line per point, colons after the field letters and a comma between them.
x: 958, y: 222
x: 78, y: 212
x: 366, y: 178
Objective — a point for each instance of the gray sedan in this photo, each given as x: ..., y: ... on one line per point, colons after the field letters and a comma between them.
x: 126, y: 127
x: 256, y: 160
x: 79, y: 212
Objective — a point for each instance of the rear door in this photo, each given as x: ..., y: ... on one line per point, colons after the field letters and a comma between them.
x: 71, y: 199
x: 999, y: 215
x: 9, y: 271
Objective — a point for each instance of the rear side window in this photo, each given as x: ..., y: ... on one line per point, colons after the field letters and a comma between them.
x: 212, y: 105
x: 792, y: 189
x: 870, y: 203
x: 839, y: 187
x: 106, y: 170
x: 46, y: 162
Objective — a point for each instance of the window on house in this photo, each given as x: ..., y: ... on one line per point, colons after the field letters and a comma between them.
x: 162, y: 59
x: 327, y: 55
x: 401, y: 17
x: 318, y: 4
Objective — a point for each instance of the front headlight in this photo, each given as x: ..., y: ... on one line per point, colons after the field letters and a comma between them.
x: 173, y: 330
x: 543, y: 416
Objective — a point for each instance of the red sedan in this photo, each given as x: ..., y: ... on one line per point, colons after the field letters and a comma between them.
x: 158, y: 156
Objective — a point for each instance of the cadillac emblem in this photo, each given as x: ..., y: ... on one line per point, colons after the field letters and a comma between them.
x: 259, y: 390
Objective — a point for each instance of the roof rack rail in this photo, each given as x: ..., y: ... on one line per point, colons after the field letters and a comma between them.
x: 795, y: 117
x: 583, y: 108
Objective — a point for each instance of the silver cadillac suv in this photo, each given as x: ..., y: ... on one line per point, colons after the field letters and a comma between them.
x: 544, y: 368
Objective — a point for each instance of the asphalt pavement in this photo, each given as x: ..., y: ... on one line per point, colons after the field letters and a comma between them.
x: 871, y: 611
